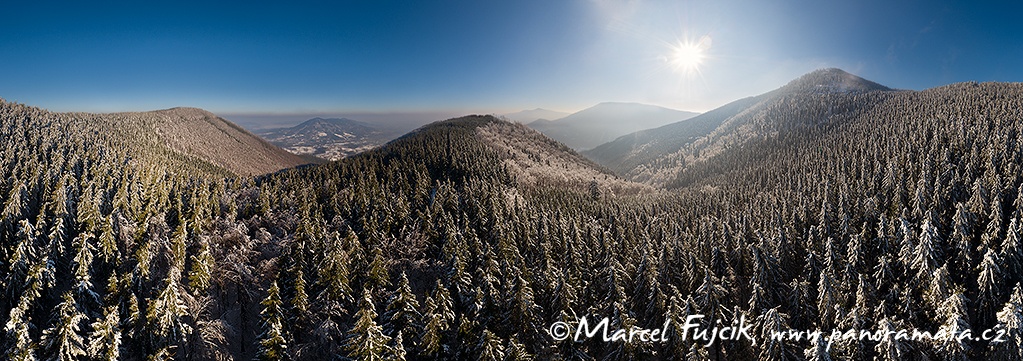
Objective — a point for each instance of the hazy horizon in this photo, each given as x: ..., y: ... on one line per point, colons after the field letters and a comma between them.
x: 397, y: 121
x: 454, y: 58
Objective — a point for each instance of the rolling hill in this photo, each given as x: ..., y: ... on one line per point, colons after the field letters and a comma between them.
x: 331, y: 138
x: 529, y: 157
x: 604, y: 122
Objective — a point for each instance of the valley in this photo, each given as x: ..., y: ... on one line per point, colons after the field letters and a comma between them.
x: 329, y: 139
x: 830, y: 203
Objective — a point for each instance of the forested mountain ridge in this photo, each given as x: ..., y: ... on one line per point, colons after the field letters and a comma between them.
x: 536, y: 160
x: 201, y: 134
x: 525, y: 155
x: 656, y: 156
x: 965, y: 117
x: 459, y: 241
x: 885, y: 225
x: 186, y: 138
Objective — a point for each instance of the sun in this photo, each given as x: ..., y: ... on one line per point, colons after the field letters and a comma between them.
x: 687, y: 56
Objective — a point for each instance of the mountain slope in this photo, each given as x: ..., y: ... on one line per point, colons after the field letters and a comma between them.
x: 877, y: 210
x: 857, y: 132
x: 812, y: 221
x: 656, y: 156
x: 201, y: 134
x: 330, y: 139
x: 629, y: 151
x: 185, y: 140
x: 604, y: 122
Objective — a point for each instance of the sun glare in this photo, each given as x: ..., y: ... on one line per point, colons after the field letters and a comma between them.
x: 687, y: 56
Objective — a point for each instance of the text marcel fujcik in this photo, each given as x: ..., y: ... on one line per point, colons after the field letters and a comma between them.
x: 739, y: 329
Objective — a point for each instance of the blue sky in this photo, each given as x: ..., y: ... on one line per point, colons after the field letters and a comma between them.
x: 362, y: 57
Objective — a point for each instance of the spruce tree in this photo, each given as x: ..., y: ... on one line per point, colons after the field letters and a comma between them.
x: 166, y: 311
x: 273, y: 344
x: 105, y: 340
x: 334, y: 272
x: 64, y: 340
x: 952, y: 314
x: 818, y: 350
x: 515, y: 351
x: 402, y: 312
x: 20, y: 346
x: 366, y: 340
x: 989, y: 281
x: 377, y: 274
x: 433, y: 328
x: 771, y: 322
x: 1010, y: 321
x: 961, y: 240
x: 1012, y: 252
x: 489, y: 347
x: 202, y: 267
x: 992, y: 235
x: 20, y: 257
x: 82, y: 268
x: 107, y: 241
x: 927, y: 252
x: 523, y: 311
x: 397, y: 348
x: 828, y: 306
x: 890, y: 348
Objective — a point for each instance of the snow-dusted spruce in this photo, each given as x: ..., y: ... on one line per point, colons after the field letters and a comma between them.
x: 812, y: 208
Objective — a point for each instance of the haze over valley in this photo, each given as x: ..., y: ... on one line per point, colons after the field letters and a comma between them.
x: 530, y: 180
x: 330, y: 139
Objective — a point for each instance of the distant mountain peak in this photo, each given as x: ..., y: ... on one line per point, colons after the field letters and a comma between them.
x: 319, y: 120
x: 327, y: 138
x: 657, y: 156
x: 622, y: 103
x: 186, y: 111
x: 832, y: 80
x: 526, y: 116
x: 606, y: 121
